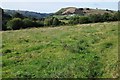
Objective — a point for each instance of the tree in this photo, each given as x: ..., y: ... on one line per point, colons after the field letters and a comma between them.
x: 83, y: 19
x: 5, y: 19
x: 55, y: 22
x: 28, y: 23
x: 48, y: 21
x: 15, y: 23
x: 74, y: 20
x: 18, y: 15
x: 39, y: 23
x: 116, y: 16
x: 4, y: 27
x: 106, y: 17
x: 95, y: 18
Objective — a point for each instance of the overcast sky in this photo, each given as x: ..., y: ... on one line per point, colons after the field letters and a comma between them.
x: 53, y: 6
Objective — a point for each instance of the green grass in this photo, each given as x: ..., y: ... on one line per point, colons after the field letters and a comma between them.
x: 79, y: 51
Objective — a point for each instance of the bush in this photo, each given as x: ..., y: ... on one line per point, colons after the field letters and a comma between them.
x: 77, y: 19
x: 52, y: 21
x: 39, y: 23
x: 15, y: 23
x: 74, y: 20
x: 107, y: 17
x: 4, y: 27
x: 48, y: 21
x: 55, y: 22
x: 116, y: 16
x: 27, y: 23
x: 83, y: 20
x: 95, y: 18
x: 18, y: 15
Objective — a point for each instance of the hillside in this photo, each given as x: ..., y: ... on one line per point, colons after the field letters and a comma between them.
x: 62, y: 11
x: 82, y: 11
x: 27, y: 13
x: 79, y: 51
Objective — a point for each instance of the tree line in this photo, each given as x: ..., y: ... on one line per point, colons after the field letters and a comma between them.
x: 94, y: 18
x: 18, y: 21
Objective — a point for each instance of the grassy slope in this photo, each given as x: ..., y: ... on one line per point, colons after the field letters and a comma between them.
x: 88, y: 50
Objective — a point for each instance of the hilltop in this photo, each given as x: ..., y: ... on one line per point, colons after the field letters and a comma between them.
x: 82, y: 11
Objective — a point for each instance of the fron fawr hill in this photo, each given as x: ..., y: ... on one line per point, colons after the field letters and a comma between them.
x: 82, y: 11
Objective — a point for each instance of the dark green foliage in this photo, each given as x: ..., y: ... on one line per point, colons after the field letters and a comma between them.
x: 39, y: 23
x: 74, y: 20
x: 27, y: 23
x: 15, y: 23
x: 4, y: 27
x: 55, y: 22
x: 116, y: 16
x: 5, y: 18
x: 83, y: 20
x: 95, y: 18
x: 52, y: 21
x: 18, y: 15
x: 107, y: 17
x: 48, y: 21
x: 77, y: 19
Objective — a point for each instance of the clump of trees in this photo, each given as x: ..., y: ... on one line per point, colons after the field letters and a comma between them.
x: 52, y: 21
x: 93, y: 18
x: 15, y: 23
x: 18, y: 21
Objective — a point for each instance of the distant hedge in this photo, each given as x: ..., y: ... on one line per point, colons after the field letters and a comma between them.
x: 93, y: 18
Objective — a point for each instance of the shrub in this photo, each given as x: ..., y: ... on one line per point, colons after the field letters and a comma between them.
x: 52, y: 21
x: 48, y: 21
x: 84, y: 20
x: 74, y: 20
x: 39, y: 23
x: 116, y: 16
x: 55, y: 22
x: 5, y: 19
x: 4, y: 27
x: 18, y: 15
x: 15, y: 23
x: 95, y: 18
x: 27, y: 23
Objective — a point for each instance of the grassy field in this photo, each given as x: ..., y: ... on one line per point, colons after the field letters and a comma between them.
x: 79, y: 51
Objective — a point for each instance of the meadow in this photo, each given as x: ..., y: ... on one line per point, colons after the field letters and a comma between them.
x: 78, y: 51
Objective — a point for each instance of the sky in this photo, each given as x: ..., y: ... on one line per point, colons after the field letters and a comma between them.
x: 53, y: 6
